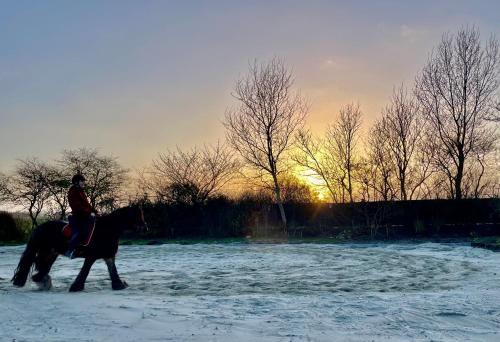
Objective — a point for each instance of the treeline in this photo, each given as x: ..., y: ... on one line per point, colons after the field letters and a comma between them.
x: 435, y: 139
x: 257, y: 218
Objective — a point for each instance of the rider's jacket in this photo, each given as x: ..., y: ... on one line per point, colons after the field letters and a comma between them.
x: 78, y: 201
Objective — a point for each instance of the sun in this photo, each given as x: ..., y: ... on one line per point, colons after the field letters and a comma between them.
x: 315, y: 184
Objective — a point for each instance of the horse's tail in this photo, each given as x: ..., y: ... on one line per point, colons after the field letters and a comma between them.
x: 27, y: 259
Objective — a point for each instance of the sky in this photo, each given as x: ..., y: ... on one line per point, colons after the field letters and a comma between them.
x: 135, y: 78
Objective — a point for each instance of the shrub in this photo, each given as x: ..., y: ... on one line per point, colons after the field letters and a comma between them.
x: 9, y: 228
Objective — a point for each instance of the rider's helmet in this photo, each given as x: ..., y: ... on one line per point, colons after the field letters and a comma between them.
x: 77, y: 178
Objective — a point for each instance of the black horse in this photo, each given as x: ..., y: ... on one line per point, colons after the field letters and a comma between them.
x: 47, y: 242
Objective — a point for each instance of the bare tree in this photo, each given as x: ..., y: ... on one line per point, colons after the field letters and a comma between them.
x: 422, y: 168
x: 455, y: 90
x: 495, y: 112
x: 262, y: 127
x: 404, y: 127
x: 333, y: 159
x: 476, y: 181
x: 379, y: 167
x: 3, y: 187
x: 57, y: 181
x: 142, y: 188
x: 192, y: 176
x: 313, y: 156
x: 26, y: 187
x: 105, y: 176
x: 342, y: 139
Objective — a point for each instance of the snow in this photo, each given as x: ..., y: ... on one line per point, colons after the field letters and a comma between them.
x: 240, y: 292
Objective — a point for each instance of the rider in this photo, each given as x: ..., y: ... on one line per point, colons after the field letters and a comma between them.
x: 83, y: 214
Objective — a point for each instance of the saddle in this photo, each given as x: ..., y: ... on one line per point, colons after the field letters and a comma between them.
x: 86, y: 235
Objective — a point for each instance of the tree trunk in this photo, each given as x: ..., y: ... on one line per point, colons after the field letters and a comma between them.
x: 280, y: 202
x: 459, y: 177
x: 33, y: 218
x: 402, y: 183
x: 458, y: 188
x: 349, y: 184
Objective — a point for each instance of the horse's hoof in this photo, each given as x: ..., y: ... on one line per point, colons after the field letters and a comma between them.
x: 37, y: 278
x: 76, y: 287
x: 18, y: 283
x: 119, y: 286
x: 45, y: 284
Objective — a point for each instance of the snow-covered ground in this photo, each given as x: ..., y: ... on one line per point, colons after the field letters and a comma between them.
x: 238, y: 292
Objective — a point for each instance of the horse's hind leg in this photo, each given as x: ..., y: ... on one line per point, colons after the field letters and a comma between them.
x: 43, y: 264
x: 116, y: 282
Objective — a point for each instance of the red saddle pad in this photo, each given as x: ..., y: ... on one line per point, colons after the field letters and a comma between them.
x: 68, y: 232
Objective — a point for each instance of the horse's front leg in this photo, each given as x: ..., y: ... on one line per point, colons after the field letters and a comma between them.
x: 116, y: 282
x: 79, y: 283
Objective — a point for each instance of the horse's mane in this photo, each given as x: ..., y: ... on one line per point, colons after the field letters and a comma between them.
x: 117, y: 214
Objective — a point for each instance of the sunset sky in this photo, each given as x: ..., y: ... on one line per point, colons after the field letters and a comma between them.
x: 134, y: 78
